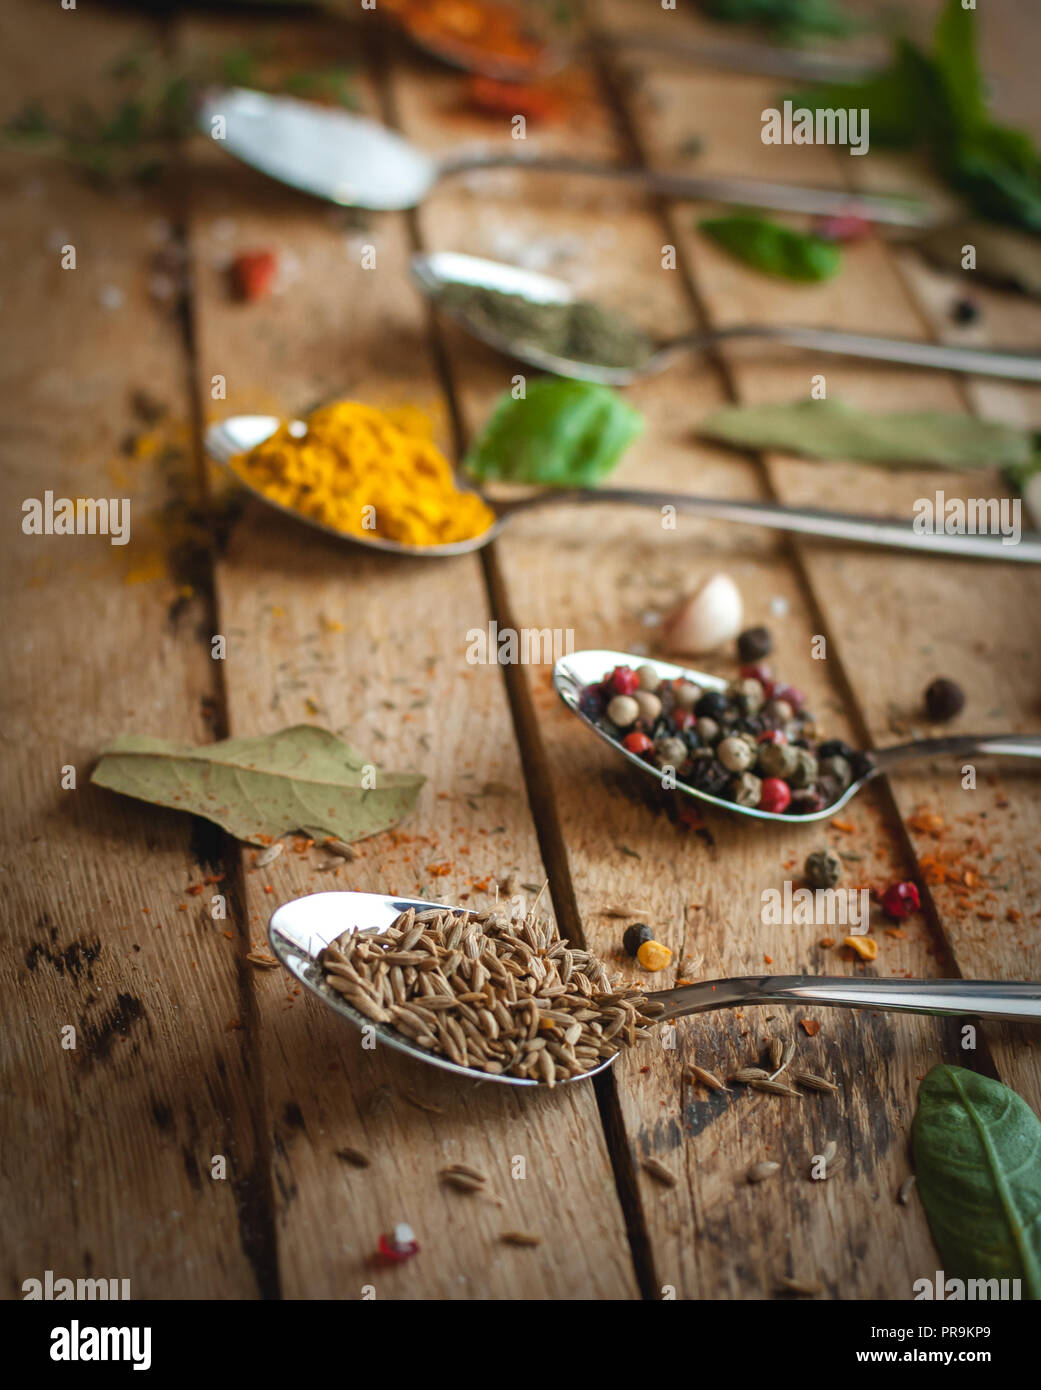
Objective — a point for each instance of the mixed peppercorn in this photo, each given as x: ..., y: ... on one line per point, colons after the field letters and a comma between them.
x: 753, y: 743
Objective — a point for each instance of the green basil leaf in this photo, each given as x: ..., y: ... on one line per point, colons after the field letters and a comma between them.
x: 774, y: 249
x: 562, y: 433
x: 977, y: 1156
x: 791, y: 21
x: 302, y: 778
x: 830, y: 430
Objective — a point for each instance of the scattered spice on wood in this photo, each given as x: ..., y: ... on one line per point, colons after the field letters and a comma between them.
x: 659, y: 1172
x: 354, y: 1157
x: 759, y: 1172
x: 521, y: 1238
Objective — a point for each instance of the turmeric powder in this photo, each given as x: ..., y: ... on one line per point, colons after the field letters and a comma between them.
x: 358, y: 471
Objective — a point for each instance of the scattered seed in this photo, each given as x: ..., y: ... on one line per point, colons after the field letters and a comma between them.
x: 906, y: 1188
x: 708, y: 1078
x: 340, y: 848
x: 466, y: 1171
x: 776, y: 1088
x: 262, y: 959
x: 761, y: 1171
x: 811, y: 1082
x: 659, y: 1172
x: 749, y: 1074
x: 461, y: 1181
x: 269, y: 855
x: 353, y: 1156
x: 809, y: 1287
x: 521, y: 1238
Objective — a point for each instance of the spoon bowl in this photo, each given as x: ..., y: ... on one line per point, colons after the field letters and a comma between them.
x: 572, y: 673
x: 300, y: 930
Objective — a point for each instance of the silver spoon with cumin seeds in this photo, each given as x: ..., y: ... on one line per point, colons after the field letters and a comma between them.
x: 302, y: 932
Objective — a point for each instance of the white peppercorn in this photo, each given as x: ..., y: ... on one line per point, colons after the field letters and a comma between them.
x: 746, y: 789
x: 686, y: 694
x: 735, y: 754
x: 648, y: 677
x: 650, y: 705
x: 780, y: 711
x: 706, y: 729
x: 623, y: 711
x: 670, y: 752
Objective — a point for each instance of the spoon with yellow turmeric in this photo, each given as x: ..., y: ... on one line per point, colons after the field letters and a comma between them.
x: 357, y: 473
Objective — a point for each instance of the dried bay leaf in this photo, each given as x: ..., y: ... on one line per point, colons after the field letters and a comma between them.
x: 301, y: 778
x: 977, y: 1157
x: 830, y: 430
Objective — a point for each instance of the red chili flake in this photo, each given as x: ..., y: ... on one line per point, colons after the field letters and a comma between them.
x: 195, y: 889
x: 399, y: 1247
x: 900, y: 900
x: 810, y: 1027
x: 496, y: 98
x: 252, y: 273
x: 439, y: 870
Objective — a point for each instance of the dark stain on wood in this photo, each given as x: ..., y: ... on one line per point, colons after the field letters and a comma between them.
x: 162, y: 1114
x: 116, y: 1022
x: 75, y: 959
x: 191, y: 1167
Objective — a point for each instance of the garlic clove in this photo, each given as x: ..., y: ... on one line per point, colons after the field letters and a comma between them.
x: 711, y: 615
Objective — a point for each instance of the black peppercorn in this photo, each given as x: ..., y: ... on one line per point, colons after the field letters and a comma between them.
x: 634, y: 937
x: 754, y: 643
x: 712, y: 705
x: 835, y: 748
x: 965, y: 311
x: 943, y: 700
x: 708, y: 775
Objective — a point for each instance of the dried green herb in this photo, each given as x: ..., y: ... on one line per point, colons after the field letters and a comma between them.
x: 774, y: 249
x: 301, y: 778
x: 578, y: 330
x: 830, y: 430
x: 561, y: 433
x: 977, y: 1155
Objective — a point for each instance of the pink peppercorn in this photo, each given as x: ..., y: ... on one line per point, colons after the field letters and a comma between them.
x: 773, y: 736
x: 637, y: 743
x: 842, y: 227
x: 900, y: 900
x: 682, y: 718
x: 624, y: 680
x: 782, y: 691
x: 399, y: 1247
x: 775, y: 795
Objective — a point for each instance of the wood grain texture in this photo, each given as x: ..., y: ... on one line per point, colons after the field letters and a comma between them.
x: 109, y: 1143
x: 377, y: 651
x: 186, y: 1049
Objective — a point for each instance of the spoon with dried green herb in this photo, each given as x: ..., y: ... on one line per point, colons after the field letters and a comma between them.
x: 538, y: 319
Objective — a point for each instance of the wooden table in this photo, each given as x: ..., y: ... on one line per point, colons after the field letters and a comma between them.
x: 185, y: 1051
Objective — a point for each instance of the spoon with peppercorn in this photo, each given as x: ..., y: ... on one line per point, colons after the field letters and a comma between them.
x: 226, y: 440
x: 748, y: 745
x: 538, y: 320
x: 316, y: 938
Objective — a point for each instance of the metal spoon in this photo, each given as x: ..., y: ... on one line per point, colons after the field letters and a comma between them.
x: 359, y: 163
x: 227, y: 438
x: 572, y: 673
x: 301, y: 929
x: 435, y: 272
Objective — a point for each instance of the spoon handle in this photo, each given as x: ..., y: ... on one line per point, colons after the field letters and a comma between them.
x: 895, y: 210
x: 747, y: 57
x: 962, y: 745
x: 1015, y: 1000
x: 1001, y: 362
x: 808, y: 521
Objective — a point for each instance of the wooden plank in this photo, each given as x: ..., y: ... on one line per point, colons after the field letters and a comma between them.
x: 705, y: 898
x: 926, y: 606
x: 376, y: 650
x: 109, y: 1142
